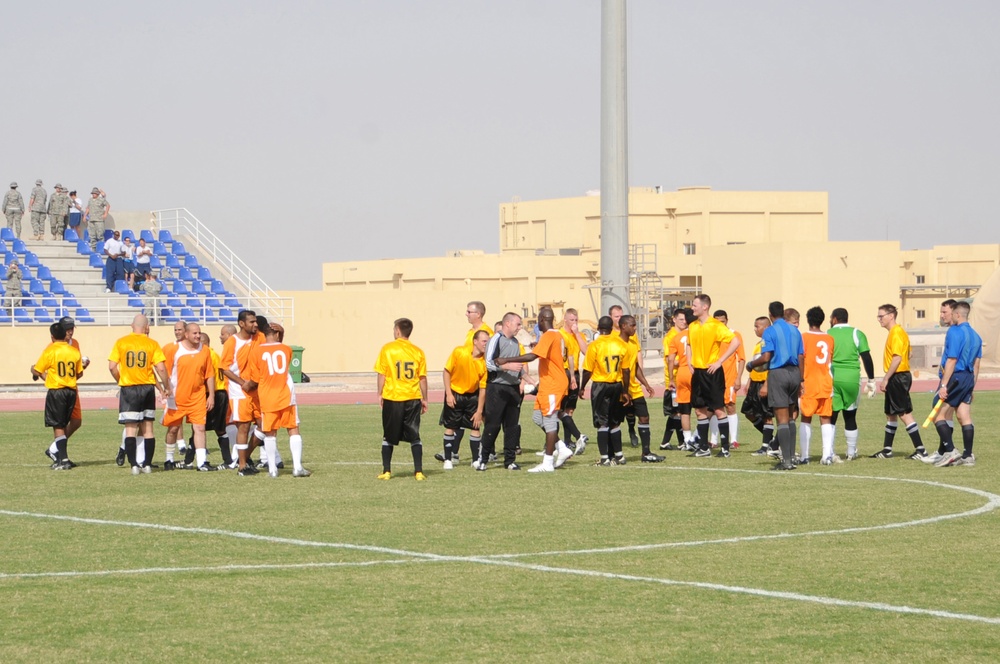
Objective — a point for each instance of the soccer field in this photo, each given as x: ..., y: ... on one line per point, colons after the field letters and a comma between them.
x: 690, y: 560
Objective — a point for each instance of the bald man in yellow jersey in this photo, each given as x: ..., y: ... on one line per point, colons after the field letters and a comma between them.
x: 464, y: 378
x: 670, y: 410
x: 60, y: 365
x: 710, y: 343
x: 402, y: 390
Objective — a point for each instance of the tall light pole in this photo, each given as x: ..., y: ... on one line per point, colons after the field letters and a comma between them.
x: 614, y: 157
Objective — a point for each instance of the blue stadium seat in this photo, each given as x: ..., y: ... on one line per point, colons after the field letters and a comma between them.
x: 70, y: 235
x: 165, y: 236
x: 127, y: 233
x: 42, y: 315
x: 108, y: 234
x: 50, y: 302
x: 83, y: 248
x: 211, y: 316
x: 4, y: 318
x: 31, y: 259
x: 44, y: 272
x: 70, y: 301
x: 58, y: 312
x: 147, y: 235
x: 213, y: 302
x: 181, y: 287
x: 194, y: 302
x: 95, y: 261
x: 198, y: 288
x: 160, y: 249
x: 21, y: 315
x: 174, y: 302
x: 28, y: 300
x: 168, y: 315
x: 7, y: 234
x: 204, y: 273
x: 134, y: 301
x: 191, y: 260
x: 172, y: 261
x: 185, y: 273
x: 187, y: 313
x: 18, y: 246
x: 26, y: 273
x: 231, y: 301
x: 83, y: 315
x: 8, y: 257
x: 154, y: 262
x: 218, y: 288
x: 37, y: 287
x: 177, y: 249
x: 56, y: 286
x: 121, y: 287
x: 86, y: 236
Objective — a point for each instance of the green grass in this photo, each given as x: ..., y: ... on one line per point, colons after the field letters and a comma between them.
x: 538, y: 608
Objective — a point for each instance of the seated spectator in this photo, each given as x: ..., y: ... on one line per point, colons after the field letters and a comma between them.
x: 128, y: 261
x: 143, y: 255
x: 13, y: 285
x: 152, y: 288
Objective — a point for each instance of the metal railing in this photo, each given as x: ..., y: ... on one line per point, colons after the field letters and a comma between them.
x: 257, y: 294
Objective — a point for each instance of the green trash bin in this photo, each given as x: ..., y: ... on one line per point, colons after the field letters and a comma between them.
x: 296, y: 368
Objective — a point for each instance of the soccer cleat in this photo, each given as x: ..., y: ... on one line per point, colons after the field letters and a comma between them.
x: 651, y: 458
x: 948, y: 458
x: 667, y: 446
x: 62, y: 465
x: 207, y: 467
x: 784, y: 466
x: 517, y: 451
x: 448, y: 465
x: 687, y: 447
x: 931, y: 458
x: 542, y: 468
x: 52, y: 457
x: 605, y: 462
x: 147, y: 470
x: 479, y: 465
x: 826, y: 461
x: 69, y: 464
x: 853, y: 457
x: 385, y: 476
x: 734, y: 445
x: 273, y: 474
x: 120, y: 459
x: 301, y: 472
x: 581, y: 445
x: 136, y: 470
x: 774, y: 454
x: 439, y: 456
x: 803, y: 461
x: 491, y: 458
x: 246, y: 472
x: 633, y: 439
x: 703, y: 452
x: 724, y: 454
x: 513, y: 466
x: 763, y: 451
x: 563, y: 454
x: 418, y: 476
x: 169, y: 465
x: 918, y: 454
x: 965, y: 461
x: 884, y: 453
x: 619, y: 460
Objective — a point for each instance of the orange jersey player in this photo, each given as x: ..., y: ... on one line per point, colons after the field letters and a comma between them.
x: 243, y: 405
x: 817, y: 387
x: 192, y: 378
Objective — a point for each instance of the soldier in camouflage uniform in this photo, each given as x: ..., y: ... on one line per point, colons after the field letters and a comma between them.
x: 97, y: 211
x: 37, y: 207
x: 59, y: 206
x: 13, y: 209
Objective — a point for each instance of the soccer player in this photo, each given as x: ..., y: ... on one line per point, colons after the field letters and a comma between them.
x: 963, y: 351
x: 60, y: 365
x: 218, y: 419
x: 503, y: 395
x: 669, y: 396
x: 850, y: 350
x: 576, y: 344
x: 710, y: 344
x: 474, y: 312
x: 946, y: 314
x: 636, y: 384
x: 137, y: 364
x: 679, y: 375
x: 616, y: 313
x: 553, y: 385
x: 76, y: 419
x: 225, y: 332
x: 605, y: 363
x: 192, y: 381
x: 402, y: 390
x: 243, y: 405
x: 755, y: 406
x: 896, y: 385
x: 464, y: 398
x: 267, y: 370
x: 817, y: 387
x: 733, y: 367
x: 782, y: 352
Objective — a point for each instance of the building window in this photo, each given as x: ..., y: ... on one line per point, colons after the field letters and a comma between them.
x: 689, y: 249
x: 921, y: 313
x: 920, y: 279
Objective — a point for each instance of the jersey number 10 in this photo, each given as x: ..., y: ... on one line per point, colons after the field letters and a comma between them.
x: 277, y: 363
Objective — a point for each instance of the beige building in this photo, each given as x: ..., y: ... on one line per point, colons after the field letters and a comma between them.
x: 742, y: 248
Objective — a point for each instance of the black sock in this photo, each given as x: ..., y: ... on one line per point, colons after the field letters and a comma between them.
x: 572, y: 432
x: 768, y: 440
x: 724, y: 433
x: 615, y: 442
x: 968, y: 433
x: 703, y: 434
x: 631, y: 425
x: 227, y: 456
x: 449, y: 445
x: 417, y: 450
x: 890, y: 433
x: 914, y: 430
x: 474, y: 443
x: 386, y: 456
x: 785, y: 443
x: 189, y: 453
x: 644, y: 437
x: 458, y: 442
x: 944, y: 433
x: 130, y: 450
x: 150, y: 445
x: 603, y: 442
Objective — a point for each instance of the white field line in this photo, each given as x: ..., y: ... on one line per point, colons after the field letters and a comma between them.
x: 993, y: 499
x: 208, y: 568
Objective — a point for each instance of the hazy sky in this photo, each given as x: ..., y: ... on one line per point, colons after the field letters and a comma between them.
x: 304, y: 132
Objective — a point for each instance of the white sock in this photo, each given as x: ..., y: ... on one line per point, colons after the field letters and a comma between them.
x: 277, y: 453
x: 548, y: 461
x: 140, y: 450
x: 271, y: 448
x: 805, y: 433
x: 231, y: 432
x: 688, y: 436
x: 826, y: 432
x: 170, y: 450
x: 852, y: 442
x: 734, y: 425
x: 259, y: 435
x: 200, y: 456
x: 123, y: 439
x: 295, y: 443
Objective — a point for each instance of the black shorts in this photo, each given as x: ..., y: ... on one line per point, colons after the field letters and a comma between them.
x: 401, y: 421
x: 638, y: 407
x: 136, y: 403
x: 708, y: 390
x: 59, y: 407
x: 606, y: 403
x: 569, y: 401
x: 218, y: 417
x: 669, y: 409
x: 754, y: 407
x: 897, y: 394
x: 460, y: 417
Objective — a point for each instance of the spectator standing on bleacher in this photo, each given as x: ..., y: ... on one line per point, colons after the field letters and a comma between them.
x: 37, y: 207
x: 97, y: 211
x: 13, y: 209
x: 152, y: 288
x: 143, y: 256
x: 128, y: 261
x: 13, y: 285
x: 59, y: 205
x: 114, y: 268
x: 75, y: 212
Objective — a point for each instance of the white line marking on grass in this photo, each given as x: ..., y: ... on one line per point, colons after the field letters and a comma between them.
x: 993, y: 502
x: 209, y: 568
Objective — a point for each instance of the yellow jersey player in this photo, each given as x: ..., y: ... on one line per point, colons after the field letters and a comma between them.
x: 402, y: 390
x: 606, y: 363
x: 896, y: 384
x: 60, y: 365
